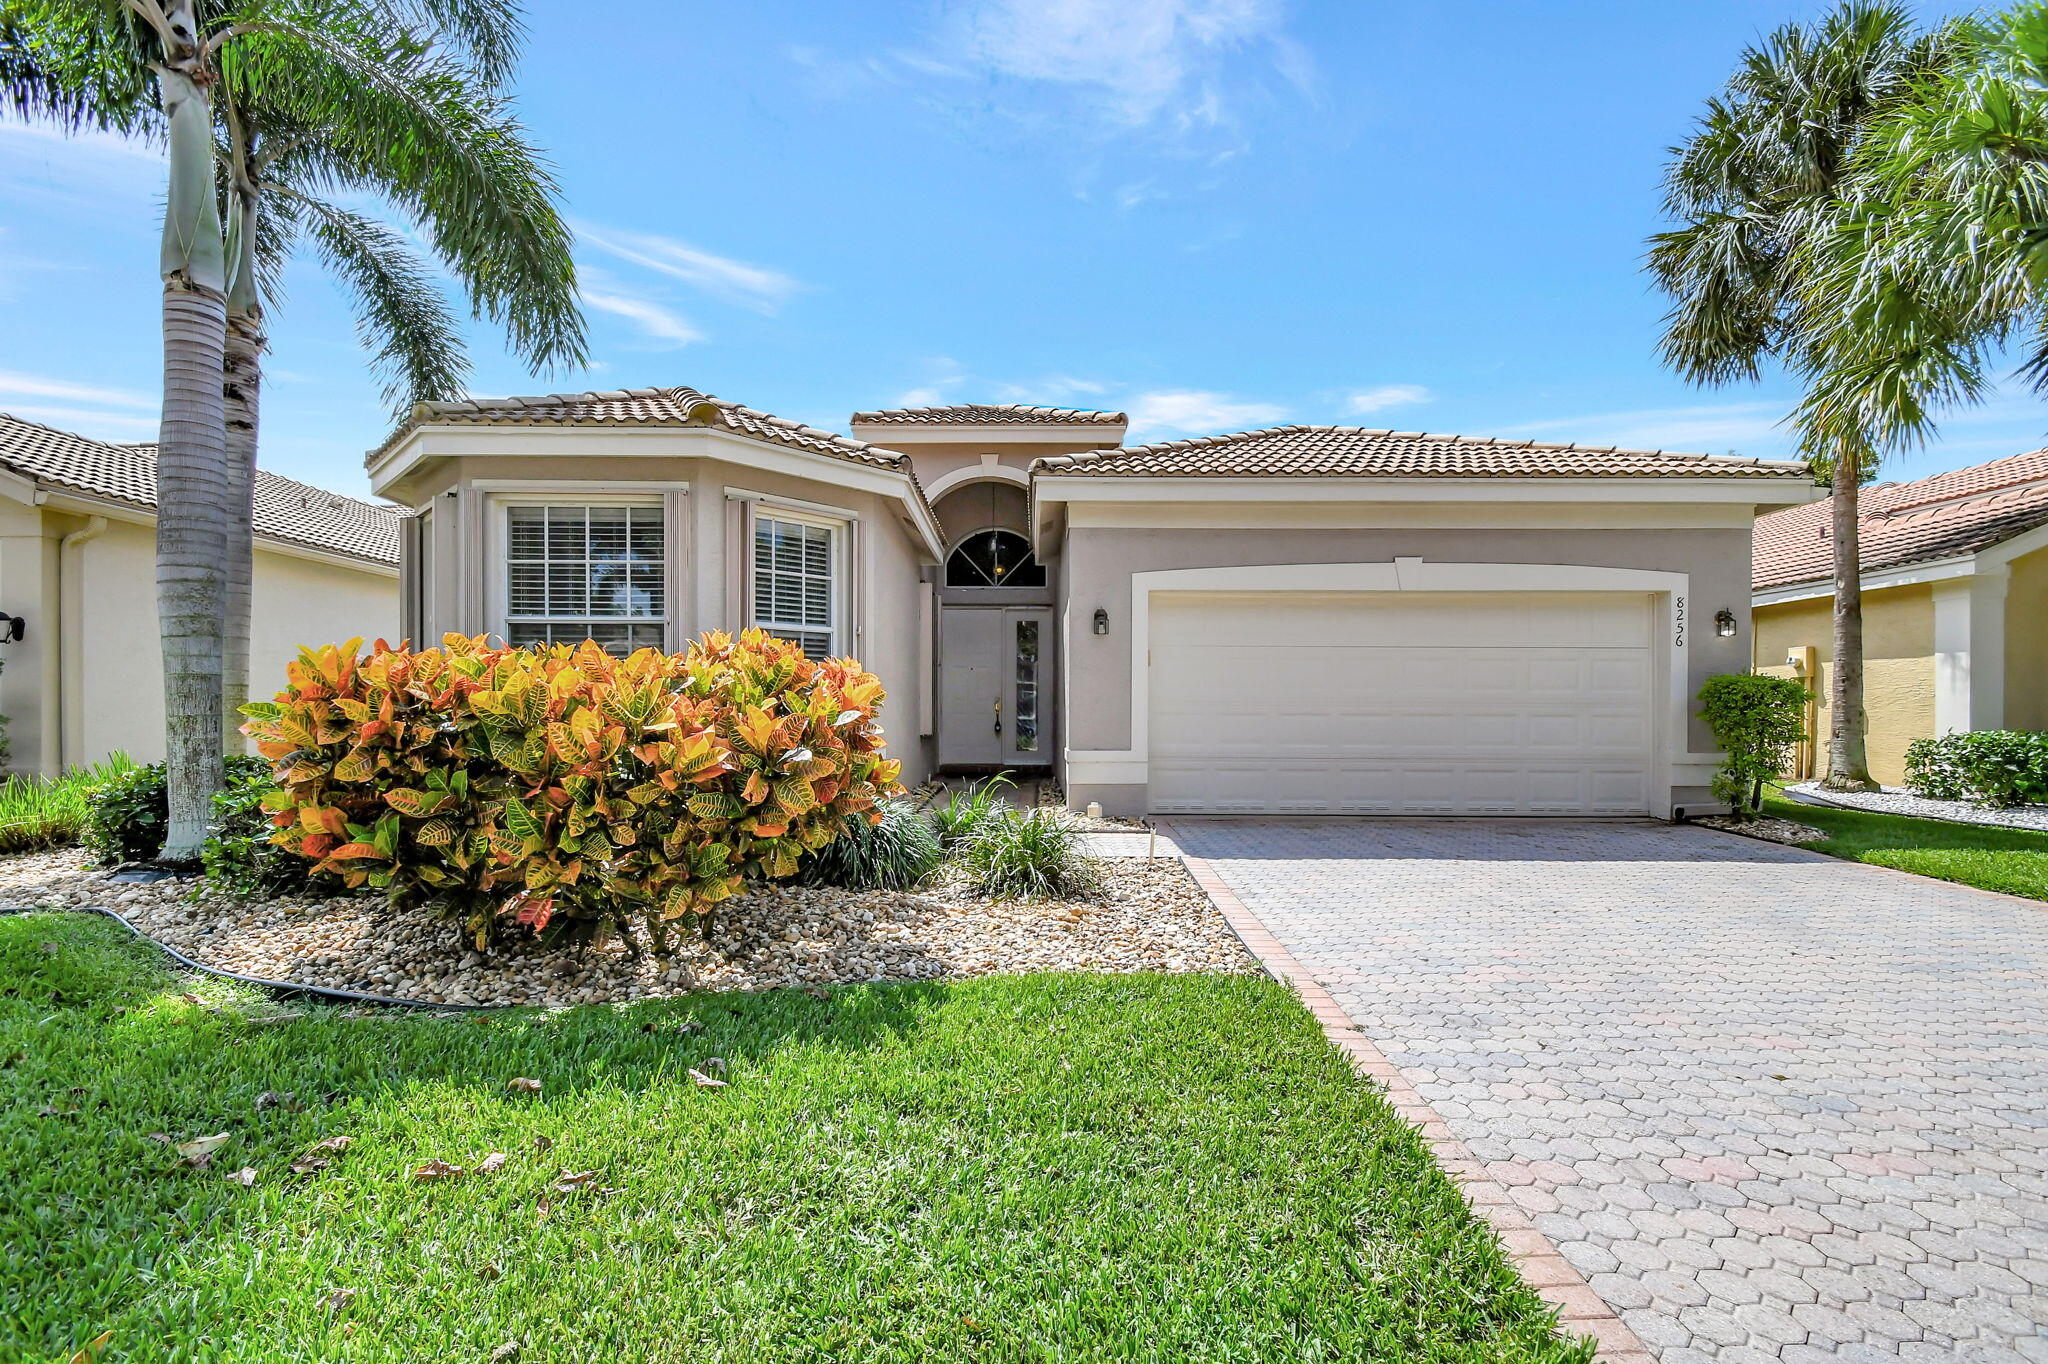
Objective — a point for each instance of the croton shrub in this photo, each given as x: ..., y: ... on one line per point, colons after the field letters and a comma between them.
x: 565, y: 789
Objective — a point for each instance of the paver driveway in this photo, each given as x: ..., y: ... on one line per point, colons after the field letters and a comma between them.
x: 1772, y: 1105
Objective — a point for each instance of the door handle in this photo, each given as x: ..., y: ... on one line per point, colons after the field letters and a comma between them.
x: 999, y: 715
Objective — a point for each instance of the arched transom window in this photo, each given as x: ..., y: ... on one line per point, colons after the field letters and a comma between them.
x: 994, y: 558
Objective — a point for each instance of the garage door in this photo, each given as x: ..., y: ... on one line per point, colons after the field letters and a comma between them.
x: 1415, y: 703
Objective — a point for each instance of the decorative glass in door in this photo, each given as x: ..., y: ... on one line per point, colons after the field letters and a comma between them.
x: 1025, y: 721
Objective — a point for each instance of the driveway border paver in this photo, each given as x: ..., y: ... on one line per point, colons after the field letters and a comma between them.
x: 1581, y: 1311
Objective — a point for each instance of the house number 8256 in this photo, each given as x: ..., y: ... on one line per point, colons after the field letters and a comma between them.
x: 1678, y: 613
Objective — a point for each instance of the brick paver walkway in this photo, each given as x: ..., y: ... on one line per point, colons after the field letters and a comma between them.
x: 1773, y: 1106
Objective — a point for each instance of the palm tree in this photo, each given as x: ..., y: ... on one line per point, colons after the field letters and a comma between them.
x: 92, y: 61
x: 1755, y: 188
x: 404, y: 108
x: 319, y: 97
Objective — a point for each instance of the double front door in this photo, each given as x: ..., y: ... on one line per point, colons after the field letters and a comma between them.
x: 994, y: 687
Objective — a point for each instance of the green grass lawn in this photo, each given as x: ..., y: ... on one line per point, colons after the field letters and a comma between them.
x: 1028, y: 1168
x: 2011, y: 860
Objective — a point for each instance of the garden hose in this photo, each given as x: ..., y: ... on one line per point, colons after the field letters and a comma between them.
x: 284, y: 988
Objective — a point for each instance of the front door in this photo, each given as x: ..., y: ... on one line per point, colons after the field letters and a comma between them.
x: 994, y: 687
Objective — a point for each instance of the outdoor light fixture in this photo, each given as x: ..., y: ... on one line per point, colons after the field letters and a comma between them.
x: 1724, y: 623
x: 12, y: 628
x: 1101, y: 621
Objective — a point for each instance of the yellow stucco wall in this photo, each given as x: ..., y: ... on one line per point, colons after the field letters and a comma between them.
x: 1898, y: 669
x: 2026, y: 643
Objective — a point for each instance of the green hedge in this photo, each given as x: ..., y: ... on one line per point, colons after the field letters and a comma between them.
x: 1756, y: 720
x: 1998, y: 768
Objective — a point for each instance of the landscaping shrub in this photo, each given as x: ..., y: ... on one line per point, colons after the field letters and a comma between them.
x: 1998, y: 768
x: 1756, y: 720
x: 894, y: 853
x: 565, y: 789
x: 129, y: 810
x: 41, y: 812
x: 966, y: 808
x: 1027, y: 852
x: 241, y: 857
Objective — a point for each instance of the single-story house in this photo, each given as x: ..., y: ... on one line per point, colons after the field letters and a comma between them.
x: 1955, y: 606
x: 1293, y: 620
x: 78, y: 573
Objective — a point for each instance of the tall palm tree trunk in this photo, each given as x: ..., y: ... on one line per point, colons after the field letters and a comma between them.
x: 1848, y: 764
x: 242, y: 390
x: 192, y: 501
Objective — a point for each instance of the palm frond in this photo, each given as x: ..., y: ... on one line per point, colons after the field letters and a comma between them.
x: 415, y: 342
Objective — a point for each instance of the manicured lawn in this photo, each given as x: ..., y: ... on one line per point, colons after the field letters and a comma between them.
x: 1029, y: 1168
x: 2011, y: 860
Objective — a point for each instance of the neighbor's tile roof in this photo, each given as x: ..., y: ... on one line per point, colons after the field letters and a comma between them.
x: 285, y: 508
x: 1959, y: 512
x: 991, y: 414
x: 642, y: 407
x: 1356, y: 452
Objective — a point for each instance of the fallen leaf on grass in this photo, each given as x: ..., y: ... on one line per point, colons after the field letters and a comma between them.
x: 49, y: 949
x: 340, y: 1298
x: 437, y: 1169
x: 198, y: 1153
x: 523, y: 1085
x: 543, y: 1142
x: 505, y: 1353
x: 716, y: 1063
x: 332, y: 1144
x: 271, y: 1098
x: 688, y: 1026
x: 488, y: 1272
x: 89, y: 1351
x: 246, y: 1176
x: 491, y: 1163
x: 700, y: 1079
x: 306, y: 1165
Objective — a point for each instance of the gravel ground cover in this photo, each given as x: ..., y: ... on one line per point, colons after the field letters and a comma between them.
x: 1893, y: 800
x: 1765, y: 827
x: 1146, y: 916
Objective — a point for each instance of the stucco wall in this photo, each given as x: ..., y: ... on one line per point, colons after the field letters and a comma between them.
x: 1898, y: 668
x: 887, y: 576
x: 976, y: 506
x: 1098, y: 563
x: 113, y: 689
x: 2026, y: 643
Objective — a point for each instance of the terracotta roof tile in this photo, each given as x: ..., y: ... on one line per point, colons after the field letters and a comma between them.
x: 642, y: 407
x: 285, y: 508
x: 1356, y: 452
x: 991, y: 414
x: 1959, y: 512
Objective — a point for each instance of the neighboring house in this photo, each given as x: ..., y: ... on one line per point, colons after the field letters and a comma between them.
x: 78, y: 569
x: 1298, y: 620
x: 1955, y: 606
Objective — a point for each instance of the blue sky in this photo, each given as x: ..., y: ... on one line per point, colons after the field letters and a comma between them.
x: 1211, y: 213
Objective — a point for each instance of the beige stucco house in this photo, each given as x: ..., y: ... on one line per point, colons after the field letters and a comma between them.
x: 78, y: 571
x: 1302, y: 619
x: 1955, y: 605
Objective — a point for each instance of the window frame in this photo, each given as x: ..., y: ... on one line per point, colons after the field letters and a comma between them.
x: 1030, y: 550
x: 499, y: 549
x: 838, y: 556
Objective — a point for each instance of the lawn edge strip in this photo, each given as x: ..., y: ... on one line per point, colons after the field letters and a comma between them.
x: 1581, y: 1311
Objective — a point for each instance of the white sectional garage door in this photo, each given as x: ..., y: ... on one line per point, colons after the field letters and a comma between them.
x: 1401, y: 703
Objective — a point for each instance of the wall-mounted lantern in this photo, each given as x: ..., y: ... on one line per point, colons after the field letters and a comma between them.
x: 1101, y: 621
x: 12, y: 628
x: 1724, y: 623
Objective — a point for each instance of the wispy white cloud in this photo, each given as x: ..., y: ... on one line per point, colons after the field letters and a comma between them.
x: 1180, y: 411
x: 1136, y: 63
x: 1365, y: 401
x: 38, y: 386
x: 654, y: 320
x: 734, y: 281
x: 87, y: 421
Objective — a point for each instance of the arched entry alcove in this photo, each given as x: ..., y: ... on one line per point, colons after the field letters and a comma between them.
x: 995, y: 632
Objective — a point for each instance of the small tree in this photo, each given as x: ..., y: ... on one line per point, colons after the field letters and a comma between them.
x: 1756, y: 720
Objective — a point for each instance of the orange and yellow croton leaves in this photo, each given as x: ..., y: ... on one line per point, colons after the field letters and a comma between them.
x: 563, y: 785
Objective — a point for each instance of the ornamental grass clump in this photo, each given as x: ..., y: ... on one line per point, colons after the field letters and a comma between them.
x: 563, y: 789
x: 1036, y: 853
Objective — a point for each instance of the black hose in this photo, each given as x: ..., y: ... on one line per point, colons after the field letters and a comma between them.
x: 286, y: 988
